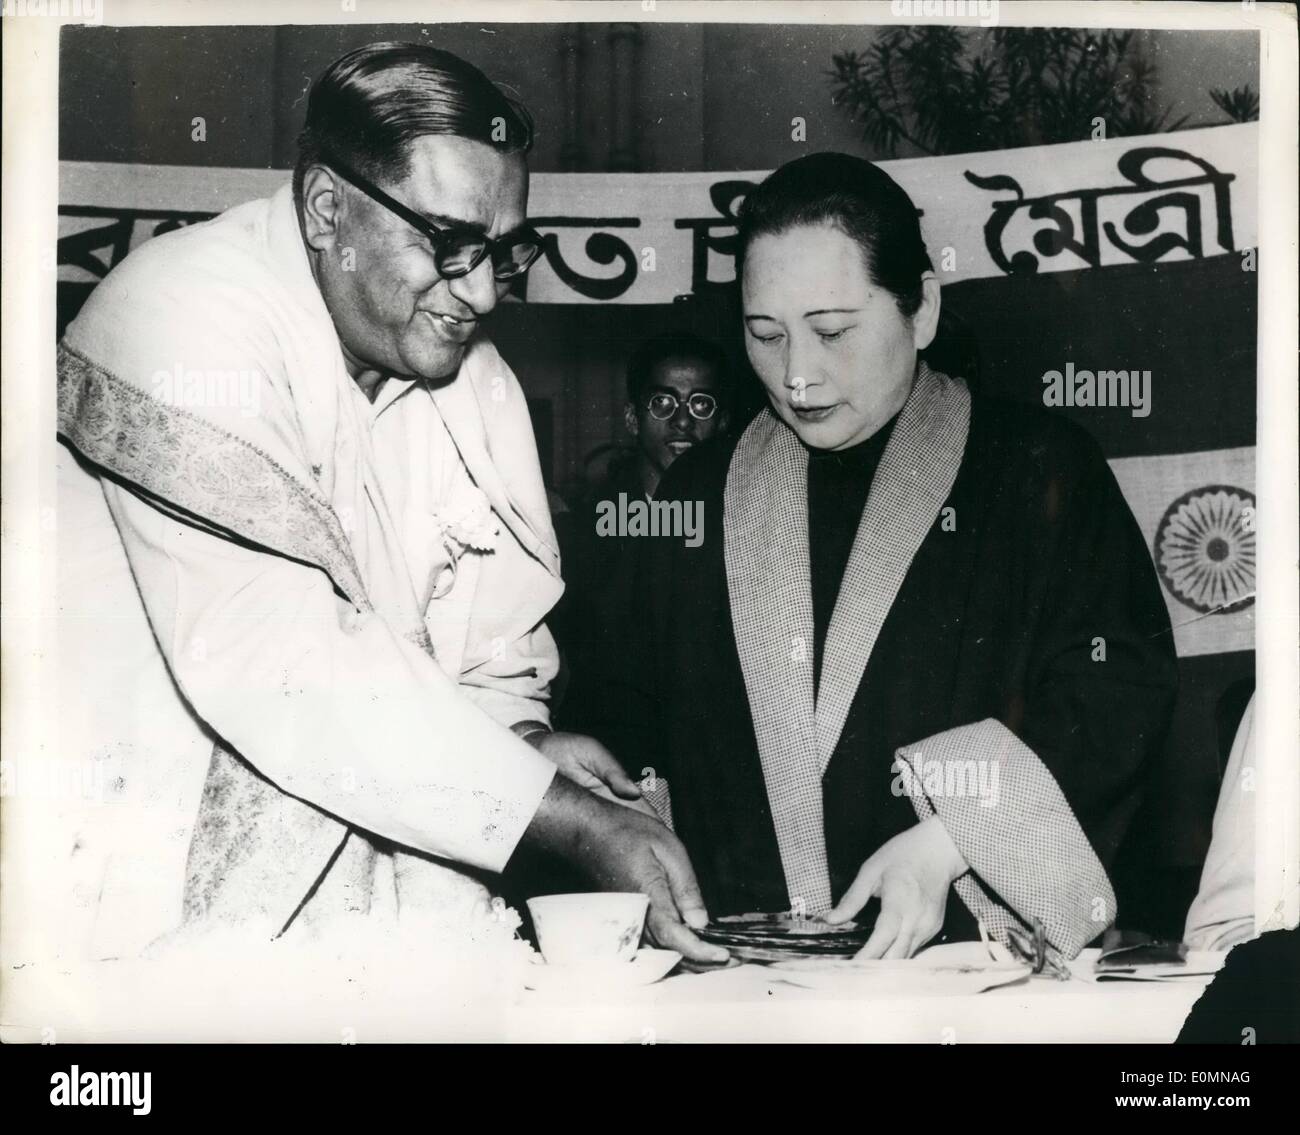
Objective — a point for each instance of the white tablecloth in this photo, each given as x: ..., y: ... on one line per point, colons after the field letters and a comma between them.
x: 117, y: 1002
x: 750, y: 1003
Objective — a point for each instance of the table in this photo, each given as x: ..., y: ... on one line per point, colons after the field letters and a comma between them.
x: 123, y: 1002
x: 746, y: 1004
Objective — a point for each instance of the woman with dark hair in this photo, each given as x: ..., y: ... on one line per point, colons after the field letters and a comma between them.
x: 921, y: 656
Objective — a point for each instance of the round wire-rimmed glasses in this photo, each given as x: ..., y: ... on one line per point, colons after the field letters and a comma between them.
x: 663, y: 406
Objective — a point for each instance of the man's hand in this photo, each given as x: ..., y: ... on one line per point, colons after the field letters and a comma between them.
x: 623, y: 850
x: 587, y: 763
x: 911, y: 873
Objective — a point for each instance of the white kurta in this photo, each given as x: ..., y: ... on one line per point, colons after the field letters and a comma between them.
x: 334, y: 697
x: 1223, y: 913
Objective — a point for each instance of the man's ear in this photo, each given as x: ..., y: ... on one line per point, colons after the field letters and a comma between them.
x: 630, y: 419
x: 322, y: 208
x: 926, y: 320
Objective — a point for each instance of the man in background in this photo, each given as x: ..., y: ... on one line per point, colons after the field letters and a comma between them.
x: 679, y: 396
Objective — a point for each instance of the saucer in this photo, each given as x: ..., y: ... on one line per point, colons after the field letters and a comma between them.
x: 645, y: 968
x: 781, y: 937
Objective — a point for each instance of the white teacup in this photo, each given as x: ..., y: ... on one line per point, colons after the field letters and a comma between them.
x: 584, y: 928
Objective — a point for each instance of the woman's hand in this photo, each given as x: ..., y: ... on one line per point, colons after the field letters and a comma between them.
x: 911, y: 873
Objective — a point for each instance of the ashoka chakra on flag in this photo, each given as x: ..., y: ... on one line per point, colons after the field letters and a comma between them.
x: 1205, y: 549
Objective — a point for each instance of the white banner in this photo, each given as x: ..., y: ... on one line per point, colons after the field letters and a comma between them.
x: 650, y: 237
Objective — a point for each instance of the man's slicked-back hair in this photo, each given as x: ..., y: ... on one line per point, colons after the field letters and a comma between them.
x: 371, y: 104
x: 857, y: 197
x: 677, y: 346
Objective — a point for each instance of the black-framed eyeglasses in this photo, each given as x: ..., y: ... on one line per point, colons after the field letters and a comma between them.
x: 663, y: 406
x: 457, y: 249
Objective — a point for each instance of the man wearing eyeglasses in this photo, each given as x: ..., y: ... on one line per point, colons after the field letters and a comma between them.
x: 678, y: 397
x: 315, y: 627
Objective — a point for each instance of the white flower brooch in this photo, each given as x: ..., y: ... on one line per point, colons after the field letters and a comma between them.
x: 472, y: 527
